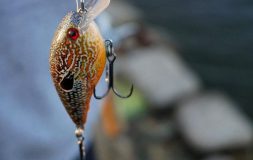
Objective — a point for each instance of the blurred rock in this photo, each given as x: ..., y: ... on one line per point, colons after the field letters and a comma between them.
x: 116, y: 33
x: 155, y: 140
x: 122, y: 12
x: 159, y: 74
x: 212, y: 122
x: 219, y: 157
x: 112, y: 148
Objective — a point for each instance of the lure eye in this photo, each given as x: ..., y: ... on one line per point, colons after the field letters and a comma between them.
x: 73, y: 33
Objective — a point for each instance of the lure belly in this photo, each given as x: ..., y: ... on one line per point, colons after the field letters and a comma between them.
x: 77, y: 60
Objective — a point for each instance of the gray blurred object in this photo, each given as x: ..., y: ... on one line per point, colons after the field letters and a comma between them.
x: 219, y: 157
x: 119, y: 22
x: 160, y: 74
x: 113, y: 148
x: 212, y: 122
x: 116, y: 33
x: 122, y: 12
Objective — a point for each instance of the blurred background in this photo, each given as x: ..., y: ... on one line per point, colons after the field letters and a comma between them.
x: 190, y: 63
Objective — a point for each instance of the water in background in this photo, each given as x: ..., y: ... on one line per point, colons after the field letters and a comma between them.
x: 215, y: 38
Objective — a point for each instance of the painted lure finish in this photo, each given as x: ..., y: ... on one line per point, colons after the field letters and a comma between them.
x: 77, y: 59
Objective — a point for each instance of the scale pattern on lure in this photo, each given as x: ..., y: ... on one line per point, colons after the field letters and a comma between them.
x: 77, y: 59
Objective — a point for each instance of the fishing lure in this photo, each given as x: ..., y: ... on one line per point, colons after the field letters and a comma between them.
x: 77, y: 60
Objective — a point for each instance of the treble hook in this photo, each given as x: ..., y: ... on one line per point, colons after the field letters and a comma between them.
x: 111, y: 57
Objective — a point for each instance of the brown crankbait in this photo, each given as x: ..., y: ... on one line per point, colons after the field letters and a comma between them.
x: 77, y: 60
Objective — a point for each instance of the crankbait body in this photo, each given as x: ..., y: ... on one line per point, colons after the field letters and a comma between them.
x: 77, y: 59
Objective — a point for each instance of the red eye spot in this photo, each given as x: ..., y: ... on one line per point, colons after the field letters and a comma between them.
x: 73, y: 33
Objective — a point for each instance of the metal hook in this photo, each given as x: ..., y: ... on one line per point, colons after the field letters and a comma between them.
x: 111, y: 57
x: 82, y: 7
x: 80, y: 139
